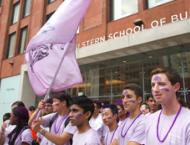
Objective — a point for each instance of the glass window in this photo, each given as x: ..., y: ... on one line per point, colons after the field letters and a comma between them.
x: 50, y: 1
x: 123, y: 8
x: 27, y: 7
x: 11, y: 45
x: 15, y: 14
x: 154, y: 3
x: 23, y: 38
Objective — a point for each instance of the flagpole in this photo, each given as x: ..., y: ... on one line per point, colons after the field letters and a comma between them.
x: 47, y: 96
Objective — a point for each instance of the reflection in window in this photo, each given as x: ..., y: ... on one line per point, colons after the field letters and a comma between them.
x: 154, y: 3
x: 123, y: 8
x: 15, y: 13
x: 27, y: 7
x: 11, y: 45
x: 23, y: 38
x: 50, y: 1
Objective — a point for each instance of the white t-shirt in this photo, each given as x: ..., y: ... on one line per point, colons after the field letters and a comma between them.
x: 89, y: 137
x: 97, y: 124
x: 8, y: 130
x: 24, y: 136
x: 179, y: 134
x: 109, y: 136
x: 136, y: 130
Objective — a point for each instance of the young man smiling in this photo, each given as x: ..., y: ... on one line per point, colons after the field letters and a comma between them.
x: 109, y: 116
x: 131, y: 132
x: 171, y: 125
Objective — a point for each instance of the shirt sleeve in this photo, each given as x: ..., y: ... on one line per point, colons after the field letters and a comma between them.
x: 70, y: 129
x: 47, y: 119
x: 188, y: 134
x: 26, y: 136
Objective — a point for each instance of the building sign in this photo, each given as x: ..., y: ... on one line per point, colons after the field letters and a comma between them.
x: 128, y: 31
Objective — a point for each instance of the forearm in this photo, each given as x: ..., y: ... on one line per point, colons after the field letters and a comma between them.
x: 2, y: 138
x: 33, y: 116
x: 133, y: 143
x: 57, y: 139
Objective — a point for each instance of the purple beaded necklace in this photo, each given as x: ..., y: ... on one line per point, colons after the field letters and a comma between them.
x: 123, y: 135
x: 111, y: 137
x: 57, y: 125
x: 158, y: 123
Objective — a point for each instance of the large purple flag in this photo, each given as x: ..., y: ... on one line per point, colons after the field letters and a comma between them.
x: 50, y: 54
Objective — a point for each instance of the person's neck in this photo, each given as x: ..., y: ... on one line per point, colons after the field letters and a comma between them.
x: 121, y: 118
x: 63, y: 112
x: 83, y: 127
x: 95, y: 115
x: 135, y: 113
x: 112, y: 126
x: 171, y: 107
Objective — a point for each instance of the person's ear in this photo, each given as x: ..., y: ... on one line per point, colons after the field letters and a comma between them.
x: 88, y: 114
x: 139, y: 99
x: 177, y: 86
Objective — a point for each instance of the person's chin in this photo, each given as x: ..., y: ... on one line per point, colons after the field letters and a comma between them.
x: 72, y: 123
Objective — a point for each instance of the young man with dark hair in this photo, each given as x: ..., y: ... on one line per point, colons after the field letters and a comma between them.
x: 171, y: 124
x: 81, y: 111
x: 55, y: 121
x: 154, y: 106
x: 131, y: 132
x: 109, y: 116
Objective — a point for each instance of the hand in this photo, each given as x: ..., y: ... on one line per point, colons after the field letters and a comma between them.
x: 41, y: 104
x: 36, y: 125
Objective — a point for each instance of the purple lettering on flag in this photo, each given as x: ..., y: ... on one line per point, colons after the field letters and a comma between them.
x: 53, y: 48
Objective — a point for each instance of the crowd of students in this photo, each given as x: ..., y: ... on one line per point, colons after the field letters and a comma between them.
x: 65, y: 120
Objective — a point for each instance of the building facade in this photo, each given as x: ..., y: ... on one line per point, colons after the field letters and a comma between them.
x: 119, y: 41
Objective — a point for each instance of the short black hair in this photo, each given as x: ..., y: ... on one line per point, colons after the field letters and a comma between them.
x: 85, y: 103
x: 136, y: 88
x: 49, y: 100
x: 98, y: 104
x: 6, y: 116
x: 31, y: 108
x: 112, y: 107
x: 63, y: 96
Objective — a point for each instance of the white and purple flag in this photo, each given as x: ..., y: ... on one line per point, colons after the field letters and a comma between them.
x: 50, y: 54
